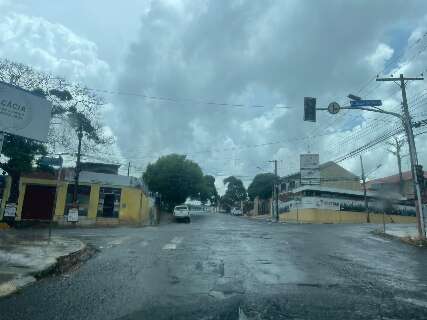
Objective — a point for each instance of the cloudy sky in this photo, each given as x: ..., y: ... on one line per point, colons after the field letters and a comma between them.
x: 197, y: 60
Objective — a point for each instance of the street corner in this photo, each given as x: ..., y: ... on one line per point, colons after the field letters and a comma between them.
x: 405, y: 233
x: 24, y: 260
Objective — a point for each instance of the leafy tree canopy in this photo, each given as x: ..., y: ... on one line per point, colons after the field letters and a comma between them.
x: 208, y: 191
x: 234, y: 193
x: 262, y: 186
x: 21, y: 153
x: 175, y: 178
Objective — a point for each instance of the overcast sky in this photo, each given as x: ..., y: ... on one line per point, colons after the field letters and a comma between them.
x: 268, y: 53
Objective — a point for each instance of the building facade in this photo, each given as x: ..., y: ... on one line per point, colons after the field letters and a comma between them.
x: 338, y: 198
x: 394, y: 183
x: 103, y: 198
x: 331, y: 175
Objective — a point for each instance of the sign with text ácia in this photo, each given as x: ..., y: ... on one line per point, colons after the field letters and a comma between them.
x: 23, y: 113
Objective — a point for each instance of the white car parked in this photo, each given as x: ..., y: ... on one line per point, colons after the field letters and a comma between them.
x: 236, y: 212
x: 182, y: 212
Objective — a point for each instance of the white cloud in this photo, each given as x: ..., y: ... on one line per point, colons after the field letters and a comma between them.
x: 380, y: 56
x: 52, y: 48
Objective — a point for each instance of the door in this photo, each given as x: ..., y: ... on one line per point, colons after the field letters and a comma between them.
x: 38, y: 202
x: 108, y: 207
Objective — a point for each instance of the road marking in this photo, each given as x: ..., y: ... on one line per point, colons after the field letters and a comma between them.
x: 173, y: 244
x: 378, y: 239
x: 417, y: 302
x: 177, y: 240
x: 169, y: 246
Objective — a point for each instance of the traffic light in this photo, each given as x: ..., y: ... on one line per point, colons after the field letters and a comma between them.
x: 420, y: 175
x: 309, y: 109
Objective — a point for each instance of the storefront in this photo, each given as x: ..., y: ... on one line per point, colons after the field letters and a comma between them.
x: 99, y: 197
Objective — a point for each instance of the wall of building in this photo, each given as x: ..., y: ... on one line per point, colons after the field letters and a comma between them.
x: 335, y: 176
x: 134, y: 204
x: 332, y: 216
x: 6, y: 194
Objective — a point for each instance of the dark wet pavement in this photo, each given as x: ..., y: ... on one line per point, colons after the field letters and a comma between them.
x: 221, y: 266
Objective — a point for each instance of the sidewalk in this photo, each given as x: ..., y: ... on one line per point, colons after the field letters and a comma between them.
x: 405, y: 232
x: 25, y: 257
x: 401, y: 230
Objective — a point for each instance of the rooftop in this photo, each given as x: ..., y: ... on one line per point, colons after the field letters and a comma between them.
x: 393, y: 179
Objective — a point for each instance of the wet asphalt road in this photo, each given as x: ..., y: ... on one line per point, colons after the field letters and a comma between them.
x: 218, y: 265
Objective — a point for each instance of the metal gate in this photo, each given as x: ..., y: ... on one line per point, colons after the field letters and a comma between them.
x: 38, y: 202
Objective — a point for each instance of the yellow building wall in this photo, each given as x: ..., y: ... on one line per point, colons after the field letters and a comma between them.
x: 93, y: 201
x: 6, y: 194
x: 134, y: 204
x: 130, y: 205
x: 145, y: 208
x: 61, y: 198
x: 331, y: 216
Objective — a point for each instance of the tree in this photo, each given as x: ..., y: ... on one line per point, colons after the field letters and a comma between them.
x: 72, y: 107
x: 66, y: 98
x: 235, y: 192
x: 262, y: 186
x: 175, y: 178
x: 21, y: 153
x: 208, y: 191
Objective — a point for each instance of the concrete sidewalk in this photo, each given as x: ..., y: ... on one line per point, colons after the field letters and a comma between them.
x: 25, y: 257
x: 401, y: 230
x: 406, y: 232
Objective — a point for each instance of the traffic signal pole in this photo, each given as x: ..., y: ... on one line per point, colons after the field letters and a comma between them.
x: 407, y: 123
x: 405, y: 117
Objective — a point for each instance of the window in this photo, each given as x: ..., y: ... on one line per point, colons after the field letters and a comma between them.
x: 83, y: 196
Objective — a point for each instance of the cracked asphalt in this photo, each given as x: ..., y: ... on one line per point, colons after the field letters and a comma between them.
x: 224, y: 267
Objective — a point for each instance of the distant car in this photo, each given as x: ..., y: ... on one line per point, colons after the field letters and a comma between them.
x: 182, y: 213
x: 236, y: 212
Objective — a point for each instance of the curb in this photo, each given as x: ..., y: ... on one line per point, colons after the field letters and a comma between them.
x: 61, y: 265
x: 407, y: 240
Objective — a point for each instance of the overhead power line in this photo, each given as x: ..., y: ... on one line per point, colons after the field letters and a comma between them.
x: 186, y: 100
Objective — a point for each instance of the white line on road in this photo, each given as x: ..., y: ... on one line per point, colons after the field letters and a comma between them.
x: 419, y: 303
x: 177, y: 240
x: 169, y: 246
x: 173, y: 244
x: 378, y: 239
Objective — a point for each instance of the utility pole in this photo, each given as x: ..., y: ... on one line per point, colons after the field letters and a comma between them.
x: 276, y: 192
x: 368, y: 219
x: 407, y: 123
x: 128, y: 168
x: 77, y: 170
x: 397, y: 145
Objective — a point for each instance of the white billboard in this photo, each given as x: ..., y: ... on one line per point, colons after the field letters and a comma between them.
x: 23, y: 113
x: 309, y: 161
x: 309, y: 169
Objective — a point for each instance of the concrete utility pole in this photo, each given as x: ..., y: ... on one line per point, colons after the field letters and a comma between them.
x: 407, y: 123
x: 276, y: 191
x: 77, y: 170
x: 368, y: 218
x: 397, y: 145
x: 128, y: 168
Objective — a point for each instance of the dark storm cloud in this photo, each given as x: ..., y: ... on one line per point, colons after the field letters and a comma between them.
x: 255, y: 52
